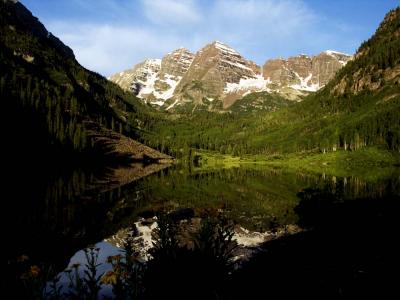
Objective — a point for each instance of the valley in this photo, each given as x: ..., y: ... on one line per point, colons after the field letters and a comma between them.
x: 183, y: 154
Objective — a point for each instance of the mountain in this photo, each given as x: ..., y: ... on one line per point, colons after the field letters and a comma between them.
x: 51, y: 104
x: 377, y: 61
x: 137, y: 77
x: 303, y: 72
x: 50, y: 99
x: 217, y: 76
x: 155, y: 80
x: 212, y: 73
x: 358, y: 107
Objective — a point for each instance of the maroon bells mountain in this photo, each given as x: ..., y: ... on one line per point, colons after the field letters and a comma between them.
x: 217, y: 76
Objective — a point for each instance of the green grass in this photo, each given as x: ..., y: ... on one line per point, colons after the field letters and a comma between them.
x: 369, y: 163
x: 214, y: 160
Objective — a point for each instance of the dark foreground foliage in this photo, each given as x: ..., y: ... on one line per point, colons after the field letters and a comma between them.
x: 199, y: 267
x: 350, y: 249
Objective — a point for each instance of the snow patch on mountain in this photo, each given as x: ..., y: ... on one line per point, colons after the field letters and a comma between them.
x: 148, y: 84
x: 338, y: 55
x: 172, y: 81
x: 155, y: 80
x: 157, y: 102
x: 332, y: 53
x: 172, y: 105
x: 236, y: 64
x: 143, y: 75
x: 219, y: 72
x: 304, y: 84
x: 256, y: 84
x: 225, y: 48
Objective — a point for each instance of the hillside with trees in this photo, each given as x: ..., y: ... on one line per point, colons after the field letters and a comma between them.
x: 49, y: 100
x: 51, y: 104
x: 360, y: 107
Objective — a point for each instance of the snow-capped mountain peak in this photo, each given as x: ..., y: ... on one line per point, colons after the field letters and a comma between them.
x: 218, y: 71
x: 224, y: 48
x: 155, y: 80
x: 343, y: 58
x: 333, y: 52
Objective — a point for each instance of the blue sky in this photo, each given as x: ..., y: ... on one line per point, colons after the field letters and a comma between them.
x: 108, y: 36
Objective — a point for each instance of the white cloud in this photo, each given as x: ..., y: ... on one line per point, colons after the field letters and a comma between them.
x: 282, y: 17
x: 107, y: 49
x: 171, y: 11
x: 259, y: 29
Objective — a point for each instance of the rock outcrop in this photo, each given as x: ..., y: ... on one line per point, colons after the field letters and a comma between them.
x: 303, y: 72
x: 214, y: 69
x: 154, y: 80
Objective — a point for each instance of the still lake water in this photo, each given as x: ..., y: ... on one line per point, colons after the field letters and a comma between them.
x: 65, y: 213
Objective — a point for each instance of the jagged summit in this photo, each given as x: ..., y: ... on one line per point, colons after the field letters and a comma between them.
x: 176, y: 62
x: 305, y: 73
x: 153, y: 61
x: 333, y: 52
x: 137, y: 77
x: 343, y: 58
x: 179, y: 50
x: 218, y: 71
x: 214, y: 67
x: 154, y: 80
x: 224, y: 48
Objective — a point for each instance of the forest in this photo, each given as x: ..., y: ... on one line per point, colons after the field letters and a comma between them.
x: 58, y: 98
x: 53, y: 108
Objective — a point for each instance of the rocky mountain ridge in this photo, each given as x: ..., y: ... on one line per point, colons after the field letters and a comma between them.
x: 303, y: 72
x: 155, y: 80
x: 217, y: 76
x: 376, y: 62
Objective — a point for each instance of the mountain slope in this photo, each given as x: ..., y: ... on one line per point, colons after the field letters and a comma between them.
x: 155, y: 80
x: 260, y: 101
x: 48, y: 98
x: 303, y: 72
x: 218, y: 72
x: 359, y: 107
x: 327, y: 120
x: 214, y: 67
x: 138, y: 77
x: 377, y: 61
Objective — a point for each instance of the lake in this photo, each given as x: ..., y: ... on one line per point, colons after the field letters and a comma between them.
x: 50, y: 219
